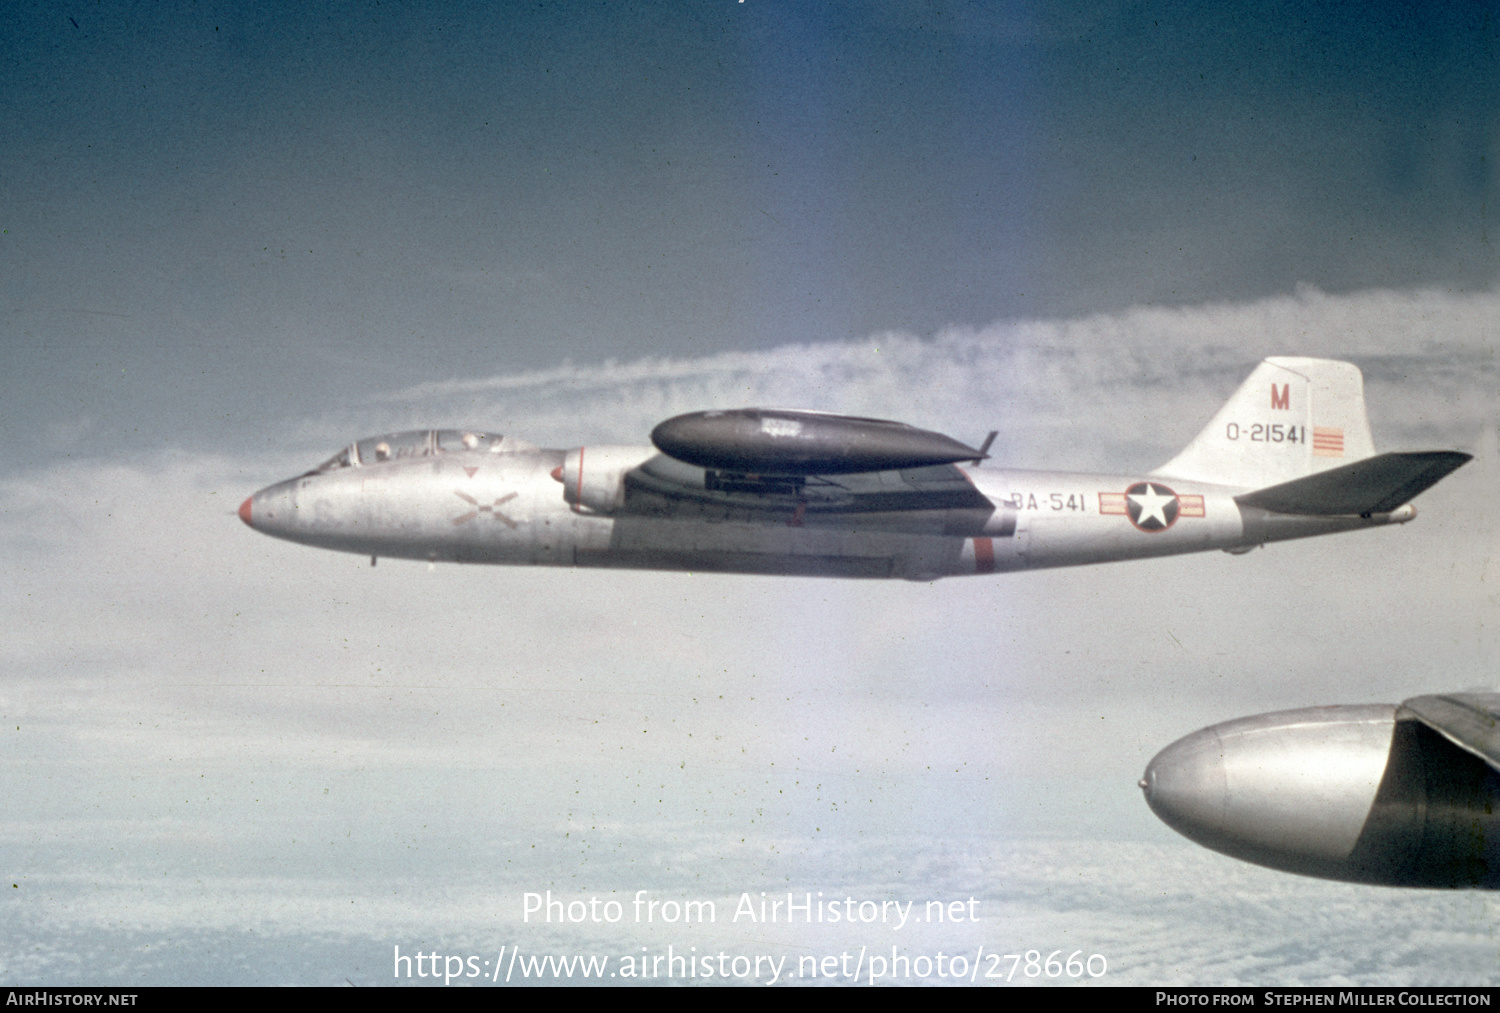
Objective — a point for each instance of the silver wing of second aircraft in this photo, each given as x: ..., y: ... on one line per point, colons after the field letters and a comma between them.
x: 1393, y: 795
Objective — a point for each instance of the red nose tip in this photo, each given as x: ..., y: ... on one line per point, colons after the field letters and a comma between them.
x: 556, y: 474
x: 245, y: 511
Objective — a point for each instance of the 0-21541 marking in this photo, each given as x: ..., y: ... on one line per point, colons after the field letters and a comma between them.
x: 1266, y: 432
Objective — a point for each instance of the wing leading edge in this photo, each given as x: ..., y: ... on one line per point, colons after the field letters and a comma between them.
x: 1471, y: 721
x: 662, y: 485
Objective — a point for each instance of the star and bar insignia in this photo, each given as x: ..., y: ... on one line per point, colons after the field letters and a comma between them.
x: 1151, y: 506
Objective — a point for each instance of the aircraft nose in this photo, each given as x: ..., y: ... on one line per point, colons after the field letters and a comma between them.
x: 245, y: 509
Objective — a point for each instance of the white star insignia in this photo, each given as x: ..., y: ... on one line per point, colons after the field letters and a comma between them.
x: 1153, y: 505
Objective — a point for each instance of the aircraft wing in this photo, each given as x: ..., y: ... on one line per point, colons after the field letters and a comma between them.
x: 756, y: 463
x: 664, y: 485
x: 1471, y: 721
x: 1375, y: 485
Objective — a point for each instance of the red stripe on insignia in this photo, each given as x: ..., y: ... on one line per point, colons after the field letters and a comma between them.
x: 1190, y: 506
x: 984, y: 555
x: 1112, y: 503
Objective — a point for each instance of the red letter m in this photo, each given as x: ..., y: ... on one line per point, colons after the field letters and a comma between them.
x: 1281, y: 398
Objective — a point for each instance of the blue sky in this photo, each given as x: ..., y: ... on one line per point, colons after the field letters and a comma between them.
x: 217, y: 213
x: 233, y: 238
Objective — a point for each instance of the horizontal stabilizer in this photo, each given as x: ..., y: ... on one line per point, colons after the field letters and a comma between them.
x: 1471, y: 721
x: 1375, y: 485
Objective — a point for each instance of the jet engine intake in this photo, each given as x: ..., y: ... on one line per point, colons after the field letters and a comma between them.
x: 593, y: 478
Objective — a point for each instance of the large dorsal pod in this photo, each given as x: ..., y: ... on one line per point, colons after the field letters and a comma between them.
x: 763, y: 441
x: 1293, y: 417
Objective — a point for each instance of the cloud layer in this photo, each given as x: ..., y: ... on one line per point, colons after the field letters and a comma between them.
x: 1147, y: 377
x: 208, y: 731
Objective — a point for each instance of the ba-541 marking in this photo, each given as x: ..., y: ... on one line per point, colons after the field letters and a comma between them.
x: 808, y: 493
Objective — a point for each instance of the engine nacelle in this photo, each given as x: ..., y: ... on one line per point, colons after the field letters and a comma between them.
x: 593, y: 478
x: 1363, y: 794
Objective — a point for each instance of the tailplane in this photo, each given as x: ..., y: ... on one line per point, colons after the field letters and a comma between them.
x: 1292, y: 418
x: 1376, y: 485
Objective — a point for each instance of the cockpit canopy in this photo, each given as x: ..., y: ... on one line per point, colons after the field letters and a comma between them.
x: 419, y: 443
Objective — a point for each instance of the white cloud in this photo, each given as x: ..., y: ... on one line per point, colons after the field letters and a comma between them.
x: 1085, y: 393
x: 1158, y: 914
x: 187, y: 689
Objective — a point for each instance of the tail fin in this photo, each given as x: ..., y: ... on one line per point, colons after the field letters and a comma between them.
x: 1293, y: 417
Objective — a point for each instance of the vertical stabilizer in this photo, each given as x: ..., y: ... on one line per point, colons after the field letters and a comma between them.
x: 1294, y: 417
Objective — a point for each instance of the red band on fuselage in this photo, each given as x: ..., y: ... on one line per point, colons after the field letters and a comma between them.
x: 984, y: 555
x: 578, y: 489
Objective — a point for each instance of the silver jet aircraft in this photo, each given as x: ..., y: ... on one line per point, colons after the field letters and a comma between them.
x: 1397, y: 796
x: 799, y: 492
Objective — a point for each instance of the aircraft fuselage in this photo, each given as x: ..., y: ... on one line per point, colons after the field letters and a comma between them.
x: 486, y: 506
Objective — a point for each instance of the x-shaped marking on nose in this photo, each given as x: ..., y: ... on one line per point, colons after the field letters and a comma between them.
x: 484, y: 508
